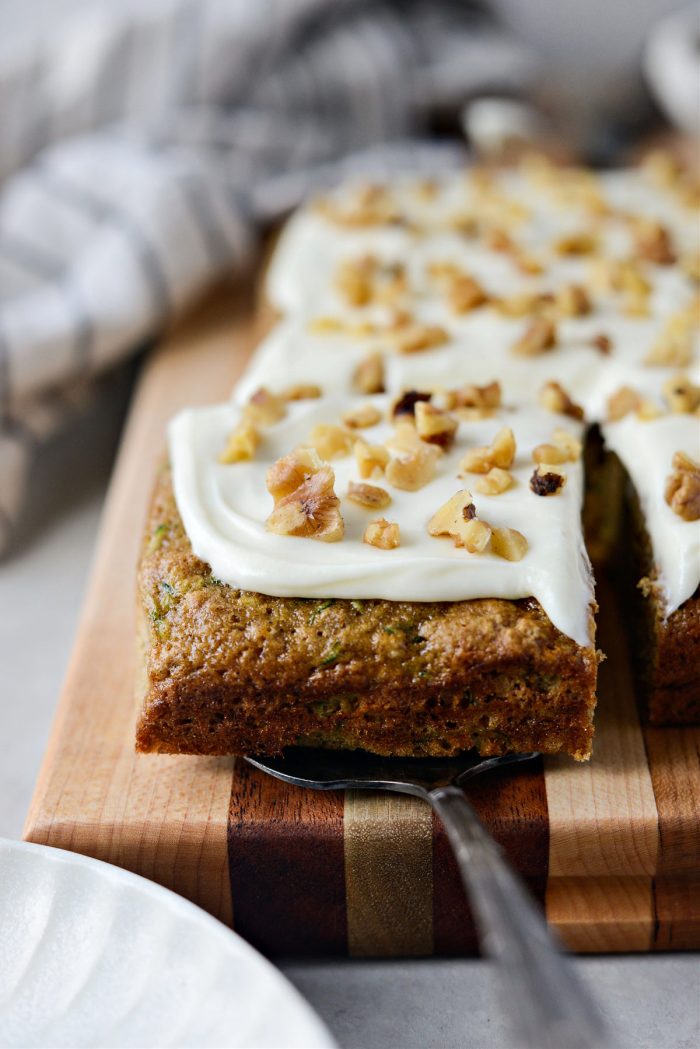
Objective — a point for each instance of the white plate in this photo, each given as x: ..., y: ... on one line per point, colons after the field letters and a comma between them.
x: 91, y: 955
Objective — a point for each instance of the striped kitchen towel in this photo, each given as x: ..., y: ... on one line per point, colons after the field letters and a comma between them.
x: 144, y: 144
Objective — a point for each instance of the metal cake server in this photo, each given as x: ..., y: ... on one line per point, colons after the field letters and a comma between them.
x: 549, y: 1006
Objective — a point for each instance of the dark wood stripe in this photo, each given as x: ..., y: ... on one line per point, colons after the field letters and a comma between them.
x: 512, y: 804
x: 674, y: 764
x: 286, y: 862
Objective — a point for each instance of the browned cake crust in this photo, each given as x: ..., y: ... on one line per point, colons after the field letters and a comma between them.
x: 229, y: 671
x: 666, y: 649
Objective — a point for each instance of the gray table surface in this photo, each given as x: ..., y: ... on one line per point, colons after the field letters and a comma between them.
x: 650, y: 1001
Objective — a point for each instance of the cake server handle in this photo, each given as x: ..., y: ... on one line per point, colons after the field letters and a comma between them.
x: 550, y: 1007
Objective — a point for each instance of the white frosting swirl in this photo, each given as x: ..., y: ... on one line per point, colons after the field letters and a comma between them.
x: 224, y: 508
x: 646, y: 449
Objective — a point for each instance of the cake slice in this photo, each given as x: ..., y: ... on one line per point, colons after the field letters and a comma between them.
x: 400, y: 575
x: 661, y: 454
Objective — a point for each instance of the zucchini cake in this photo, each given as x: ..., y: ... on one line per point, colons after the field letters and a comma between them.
x: 467, y: 638
x: 377, y: 541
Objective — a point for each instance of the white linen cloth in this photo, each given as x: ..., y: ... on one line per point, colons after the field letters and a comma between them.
x: 143, y: 145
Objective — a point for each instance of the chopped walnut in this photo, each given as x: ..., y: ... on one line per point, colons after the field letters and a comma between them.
x: 465, y: 293
x: 331, y: 442
x: 310, y: 511
x: 415, y: 338
x: 674, y: 346
x: 288, y: 473
x: 647, y: 410
x: 494, y: 482
x: 302, y: 391
x: 412, y: 470
x: 549, y: 454
x: 355, y: 279
x: 682, y: 492
x: 241, y: 443
x: 509, y: 544
x: 622, y: 402
x: 367, y: 279
x: 405, y: 437
x: 265, y: 408
x: 554, y: 398
x: 483, y: 398
x: 540, y: 336
x: 369, y: 374
x: 547, y: 481
x: 653, y: 242
x: 577, y: 243
x: 370, y: 205
x: 435, y: 425
x: 369, y: 496
x: 371, y: 458
x: 383, y: 534
x: 457, y: 509
x: 475, y: 536
x: 682, y: 394
x: 573, y: 301
x: 522, y: 304
x: 568, y: 444
x: 501, y: 453
x: 457, y: 519
x: 602, y: 343
x: 406, y: 403
x: 527, y: 263
x: 362, y: 417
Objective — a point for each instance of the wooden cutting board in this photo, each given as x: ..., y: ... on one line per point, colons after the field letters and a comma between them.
x: 611, y: 848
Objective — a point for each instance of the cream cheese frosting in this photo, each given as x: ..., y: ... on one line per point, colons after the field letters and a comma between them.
x: 224, y: 508
x: 646, y: 449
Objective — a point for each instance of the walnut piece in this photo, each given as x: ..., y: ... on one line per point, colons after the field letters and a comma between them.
x: 494, y: 482
x: 331, y: 442
x: 622, y: 402
x: 371, y: 458
x: 682, y: 492
x: 405, y: 438
x: 538, y: 337
x: 546, y: 480
x: 465, y: 293
x: 405, y: 405
x: 302, y: 391
x: 369, y: 374
x: 412, y: 470
x: 573, y: 301
x: 435, y: 425
x: 369, y: 496
x: 383, y: 534
x: 265, y: 408
x: 311, y: 511
x: 554, y: 398
x: 509, y: 544
x: 577, y: 243
x: 416, y: 337
x: 653, y: 242
x: 681, y: 394
x: 602, y: 343
x: 241, y: 443
x: 483, y: 398
x: 362, y: 417
x: 501, y: 452
x: 674, y: 345
x: 288, y: 473
x: 457, y: 518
